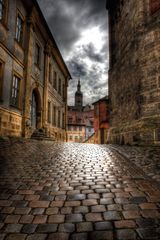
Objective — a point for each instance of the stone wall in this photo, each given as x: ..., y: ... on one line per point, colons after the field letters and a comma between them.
x: 10, y: 123
x: 134, y: 86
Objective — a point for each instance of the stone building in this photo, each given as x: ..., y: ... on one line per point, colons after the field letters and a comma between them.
x: 33, y: 74
x: 101, y: 120
x: 80, y: 119
x: 134, y: 74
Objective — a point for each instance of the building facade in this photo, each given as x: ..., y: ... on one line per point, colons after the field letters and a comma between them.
x: 33, y: 74
x: 101, y: 120
x: 80, y: 119
x: 134, y: 74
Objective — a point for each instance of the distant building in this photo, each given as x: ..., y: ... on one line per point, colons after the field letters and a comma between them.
x: 76, y: 126
x: 134, y: 74
x: 80, y: 119
x: 79, y: 98
x: 101, y: 120
x: 33, y: 74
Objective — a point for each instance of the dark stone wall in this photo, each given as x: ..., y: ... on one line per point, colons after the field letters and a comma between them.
x: 134, y: 75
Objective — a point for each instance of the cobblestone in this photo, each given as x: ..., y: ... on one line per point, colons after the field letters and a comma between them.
x: 66, y: 227
x: 78, y: 191
x: 103, y: 226
x: 29, y: 228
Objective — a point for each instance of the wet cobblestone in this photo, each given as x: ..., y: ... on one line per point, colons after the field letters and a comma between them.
x: 77, y: 191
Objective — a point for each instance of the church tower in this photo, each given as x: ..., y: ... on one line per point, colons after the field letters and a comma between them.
x: 78, y: 97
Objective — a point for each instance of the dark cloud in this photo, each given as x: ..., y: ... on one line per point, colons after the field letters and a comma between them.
x: 90, y: 51
x: 78, y: 69
x: 68, y: 19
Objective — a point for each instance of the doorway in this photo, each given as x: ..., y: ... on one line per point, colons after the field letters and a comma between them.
x: 34, y: 107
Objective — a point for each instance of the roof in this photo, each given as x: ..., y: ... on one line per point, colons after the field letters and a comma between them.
x: 101, y: 100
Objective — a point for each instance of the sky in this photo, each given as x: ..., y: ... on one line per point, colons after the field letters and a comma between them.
x: 80, y: 29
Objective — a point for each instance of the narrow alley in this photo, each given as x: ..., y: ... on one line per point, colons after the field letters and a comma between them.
x: 75, y: 191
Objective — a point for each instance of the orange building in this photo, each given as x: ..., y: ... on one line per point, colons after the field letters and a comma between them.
x: 101, y: 120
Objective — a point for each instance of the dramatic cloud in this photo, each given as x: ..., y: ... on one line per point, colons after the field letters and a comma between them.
x: 80, y: 29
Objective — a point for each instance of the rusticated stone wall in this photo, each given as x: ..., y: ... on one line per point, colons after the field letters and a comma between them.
x: 134, y: 75
x: 10, y: 123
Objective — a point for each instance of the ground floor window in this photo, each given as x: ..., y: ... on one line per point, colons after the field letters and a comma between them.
x: 15, y: 93
x: 49, y: 112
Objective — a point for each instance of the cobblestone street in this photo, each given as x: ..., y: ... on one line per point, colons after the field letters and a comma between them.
x: 51, y: 191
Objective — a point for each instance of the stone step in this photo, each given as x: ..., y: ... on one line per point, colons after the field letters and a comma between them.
x: 40, y: 134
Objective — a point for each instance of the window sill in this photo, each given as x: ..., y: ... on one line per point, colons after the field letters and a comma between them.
x: 15, y: 107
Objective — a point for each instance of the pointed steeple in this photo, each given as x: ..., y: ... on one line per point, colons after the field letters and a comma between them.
x: 79, y: 96
x: 79, y: 86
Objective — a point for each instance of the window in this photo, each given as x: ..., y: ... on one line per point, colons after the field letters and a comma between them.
x: 19, y: 29
x: 79, y: 120
x: 96, y: 110
x: 75, y: 128
x: 3, y: 10
x: 80, y: 128
x: 69, y: 128
x: 55, y: 80
x: 76, y: 138
x: 50, y: 73
x: 15, y: 93
x: 54, y: 115
x: 70, y: 137
x: 59, y: 86
x: 37, y: 55
x: 49, y: 112
x: 1, y: 80
x: 70, y: 120
x: 63, y: 92
x: 59, y: 118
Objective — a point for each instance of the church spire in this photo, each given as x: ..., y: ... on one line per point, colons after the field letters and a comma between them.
x: 79, y: 96
x: 79, y: 86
